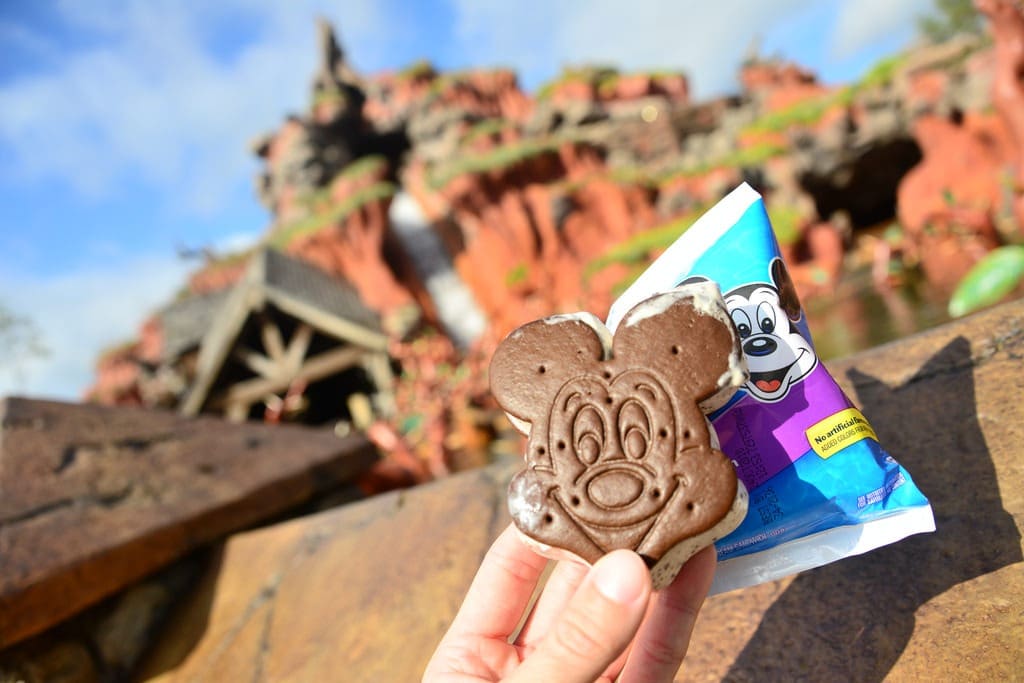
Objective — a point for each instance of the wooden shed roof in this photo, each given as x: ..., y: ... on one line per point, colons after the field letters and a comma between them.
x: 328, y: 304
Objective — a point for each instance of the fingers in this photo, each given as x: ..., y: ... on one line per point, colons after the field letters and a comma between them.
x: 597, y: 624
x: 665, y: 635
x: 501, y: 590
x: 559, y: 589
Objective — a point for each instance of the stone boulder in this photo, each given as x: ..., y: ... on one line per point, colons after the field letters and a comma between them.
x: 776, y: 84
x: 947, y: 202
x: 1006, y: 20
x: 370, y: 589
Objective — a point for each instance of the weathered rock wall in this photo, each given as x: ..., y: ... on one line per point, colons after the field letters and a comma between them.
x: 552, y: 202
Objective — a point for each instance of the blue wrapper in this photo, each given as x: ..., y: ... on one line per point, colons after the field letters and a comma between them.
x: 821, y: 486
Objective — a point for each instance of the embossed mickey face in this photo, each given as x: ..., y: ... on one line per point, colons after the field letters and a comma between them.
x: 620, y: 436
x: 619, y: 452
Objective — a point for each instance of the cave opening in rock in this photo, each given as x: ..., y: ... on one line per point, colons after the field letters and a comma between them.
x: 865, y: 186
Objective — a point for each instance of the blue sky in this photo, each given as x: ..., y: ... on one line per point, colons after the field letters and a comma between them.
x: 124, y: 124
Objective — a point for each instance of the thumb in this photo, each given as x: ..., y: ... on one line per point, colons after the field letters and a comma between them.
x: 597, y: 625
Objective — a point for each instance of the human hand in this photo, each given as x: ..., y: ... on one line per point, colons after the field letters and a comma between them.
x: 590, y: 623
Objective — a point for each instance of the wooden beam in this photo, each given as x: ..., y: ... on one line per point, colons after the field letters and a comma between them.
x: 378, y: 366
x: 218, y: 340
x: 339, y: 328
x: 315, y: 368
x: 272, y: 340
x: 287, y: 363
x: 237, y: 411
x: 257, y: 362
x: 298, y: 345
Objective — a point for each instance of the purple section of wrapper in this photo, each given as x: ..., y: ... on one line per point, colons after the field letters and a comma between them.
x: 758, y: 459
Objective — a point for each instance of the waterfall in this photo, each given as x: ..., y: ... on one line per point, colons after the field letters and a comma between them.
x: 461, y: 317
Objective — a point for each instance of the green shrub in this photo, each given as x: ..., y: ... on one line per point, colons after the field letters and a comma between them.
x: 500, y: 157
x: 286, y: 234
x: 320, y: 199
x: 803, y: 113
x: 486, y: 128
x: 596, y: 75
x: 517, y: 275
x: 421, y: 67
x: 785, y: 220
x: 363, y: 166
x: 882, y: 72
x: 747, y: 157
x: 638, y: 248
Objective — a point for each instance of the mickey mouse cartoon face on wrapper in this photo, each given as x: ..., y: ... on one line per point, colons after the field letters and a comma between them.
x: 620, y: 454
x: 765, y: 315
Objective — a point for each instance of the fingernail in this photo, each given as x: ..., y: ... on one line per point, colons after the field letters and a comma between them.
x: 617, y: 578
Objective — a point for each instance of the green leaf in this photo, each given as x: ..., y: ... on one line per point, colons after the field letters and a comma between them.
x: 992, y: 278
x: 785, y: 220
x: 517, y: 275
x: 410, y: 423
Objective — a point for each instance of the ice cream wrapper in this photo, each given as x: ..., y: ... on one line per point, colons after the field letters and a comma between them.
x: 821, y: 485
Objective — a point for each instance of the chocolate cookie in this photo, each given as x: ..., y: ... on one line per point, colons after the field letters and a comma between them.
x: 620, y: 454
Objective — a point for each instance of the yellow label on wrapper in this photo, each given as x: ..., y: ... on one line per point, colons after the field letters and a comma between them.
x: 839, y: 431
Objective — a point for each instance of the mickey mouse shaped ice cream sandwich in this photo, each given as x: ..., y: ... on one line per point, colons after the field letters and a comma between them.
x: 620, y: 453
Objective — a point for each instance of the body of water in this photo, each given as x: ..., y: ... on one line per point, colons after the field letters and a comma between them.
x: 860, y: 315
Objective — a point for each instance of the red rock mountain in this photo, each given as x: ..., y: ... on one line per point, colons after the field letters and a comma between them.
x: 449, y: 198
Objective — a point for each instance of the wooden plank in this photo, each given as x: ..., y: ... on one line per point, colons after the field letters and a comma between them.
x: 284, y: 362
x: 270, y: 334
x: 378, y: 366
x: 237, y: 411
x: 947, y: 404
x: 298, y: 346
x: 93, y: 498
x: 257, y: 362
x: 318, y: 367
x: 343, y: 330
x: 219, y: 340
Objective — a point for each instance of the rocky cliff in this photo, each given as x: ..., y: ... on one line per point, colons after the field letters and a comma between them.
x: 553, y: 201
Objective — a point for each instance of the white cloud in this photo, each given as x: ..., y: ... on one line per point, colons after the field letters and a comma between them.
x: 151, y: 99
x: 706, y: 40
x: 236, y: 242
x: 521, y: 35
x: 148, y: 99
x: 862, y: 22
x: 81, y: 313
